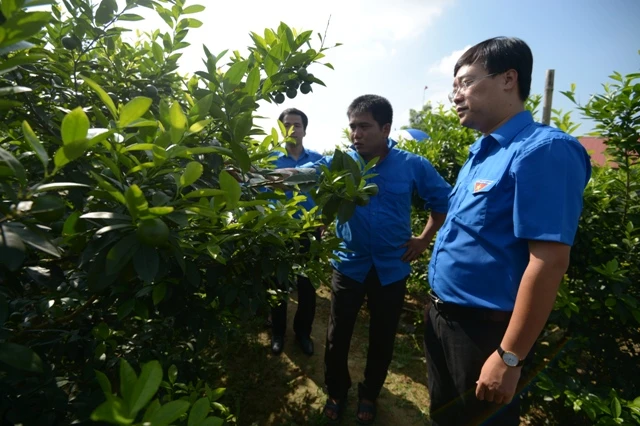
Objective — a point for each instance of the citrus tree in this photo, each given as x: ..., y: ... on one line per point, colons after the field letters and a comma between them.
x: 140, y: 222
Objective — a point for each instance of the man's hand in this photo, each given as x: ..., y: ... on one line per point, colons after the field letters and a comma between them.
x: 498, y: 381
x: 415, y: 247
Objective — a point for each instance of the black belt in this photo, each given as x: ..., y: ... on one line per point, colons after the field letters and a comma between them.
x: 453, y: 311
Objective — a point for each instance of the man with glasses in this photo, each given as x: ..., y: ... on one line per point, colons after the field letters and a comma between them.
x: 500, y: 256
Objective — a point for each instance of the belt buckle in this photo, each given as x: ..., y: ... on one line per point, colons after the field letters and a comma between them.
x: 435, y: 300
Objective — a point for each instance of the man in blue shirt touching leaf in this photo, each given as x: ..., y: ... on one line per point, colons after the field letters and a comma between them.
x: 502, y: 252
x: 296, y: 155
x: 374, y: 258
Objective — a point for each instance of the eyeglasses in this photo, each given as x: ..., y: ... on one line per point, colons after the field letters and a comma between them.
x: 466, y: 83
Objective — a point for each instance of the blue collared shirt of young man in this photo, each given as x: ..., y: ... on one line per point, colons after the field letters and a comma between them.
x: 525, y: 192
x: 376, y: 233
x: 282, y: 160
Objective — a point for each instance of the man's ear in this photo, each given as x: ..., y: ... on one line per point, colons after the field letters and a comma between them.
x: 386, y: 129
x: 511, y: 80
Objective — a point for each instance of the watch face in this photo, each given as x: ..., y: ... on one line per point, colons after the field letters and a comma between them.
x: 510, y: 359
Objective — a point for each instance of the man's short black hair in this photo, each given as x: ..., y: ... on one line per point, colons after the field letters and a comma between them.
x: 501, y: 54
x: 379, y: 107
x: 295, y: 111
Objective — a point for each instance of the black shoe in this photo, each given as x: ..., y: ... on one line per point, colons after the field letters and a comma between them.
x: 277, y: 344
x: 306, y: 344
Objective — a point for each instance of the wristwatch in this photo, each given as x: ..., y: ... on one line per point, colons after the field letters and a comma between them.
x: 510, y: 358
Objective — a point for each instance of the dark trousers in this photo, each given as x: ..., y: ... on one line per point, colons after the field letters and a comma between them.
x: 306, y: 303
x: 385, y: 306
x: 304, y: 314
x: 456, y: 348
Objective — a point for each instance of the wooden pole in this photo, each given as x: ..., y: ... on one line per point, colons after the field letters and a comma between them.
x: 548, y: 97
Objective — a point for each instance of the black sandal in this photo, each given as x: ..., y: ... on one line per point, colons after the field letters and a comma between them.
x: 366, y: 408
x: 335, y: 406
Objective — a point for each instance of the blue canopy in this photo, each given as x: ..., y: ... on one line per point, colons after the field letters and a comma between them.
x: 409, y: 135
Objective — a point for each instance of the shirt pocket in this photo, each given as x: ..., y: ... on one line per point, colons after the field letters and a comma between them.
x: 398, y: 195
x: 476, y: 198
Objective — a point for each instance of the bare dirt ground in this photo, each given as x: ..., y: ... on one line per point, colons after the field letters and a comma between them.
x: 287, y: 389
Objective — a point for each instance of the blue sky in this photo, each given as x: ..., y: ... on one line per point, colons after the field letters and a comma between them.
x: 395, y: 48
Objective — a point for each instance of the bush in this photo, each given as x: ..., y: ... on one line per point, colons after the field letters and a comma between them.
x: 135, y: 229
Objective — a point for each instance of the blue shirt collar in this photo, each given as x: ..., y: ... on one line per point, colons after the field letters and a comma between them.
x: 505, y: 134
x: 279, y: 154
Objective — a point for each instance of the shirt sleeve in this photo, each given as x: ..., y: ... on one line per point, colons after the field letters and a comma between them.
x: 549, y: 183
x: 432, y: 187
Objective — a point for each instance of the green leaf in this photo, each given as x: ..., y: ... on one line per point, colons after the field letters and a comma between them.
x: 159, y: 291
x: 111, y: 190
x: 70, y: 152
x: 11, y: 63
x: 235, y: 73
x: 158, y: 53
x: 134, y: 109
x: 199, y: 126
x: 241, y: 156
x: 146, y: 387
x: 14, y: 165
x: 104, y: 383
x: 125, y: 309
x: 140, y: 147
x: 75, y: 126
x: 178, y: 122
x: 193, y: 23
x: 199, y: 411
x: 192, y: 173
x: 217, y: 394
x: 205, y: 193
x: 34, y: 238
x: 232, y: 189
x: 213, y: 421
x: 20, y: 357
x: 173, y: 373
x: 13, y: 90
x: 201, y: 109
x: 120, y: 254
x: 56, y: 186
x: 253, y: 81
x: 112, y: 411
x: 146, y: 263
x: 128, y: 378
x: 194, y: 8
x: 20, y: 27
x: 169, y: 413
x: 150, y: 411
x: 346, y: 210
x: 106, y: 11
x: 104, y: 97
x: 616, y: 408
x: 7, y: 7
x: 130, y: 17
x: 160, y: 211
x: 136, y: 202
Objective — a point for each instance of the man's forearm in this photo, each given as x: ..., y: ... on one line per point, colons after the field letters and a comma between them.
x: 535, y: 300
x: 433, y: 225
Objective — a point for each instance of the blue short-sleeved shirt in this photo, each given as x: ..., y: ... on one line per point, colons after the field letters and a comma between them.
x: 282, y: 160
x: 375, y: 233
x: 522, y: 182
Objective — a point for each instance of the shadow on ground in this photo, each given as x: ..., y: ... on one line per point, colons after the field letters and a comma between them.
x: 263, y: 389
